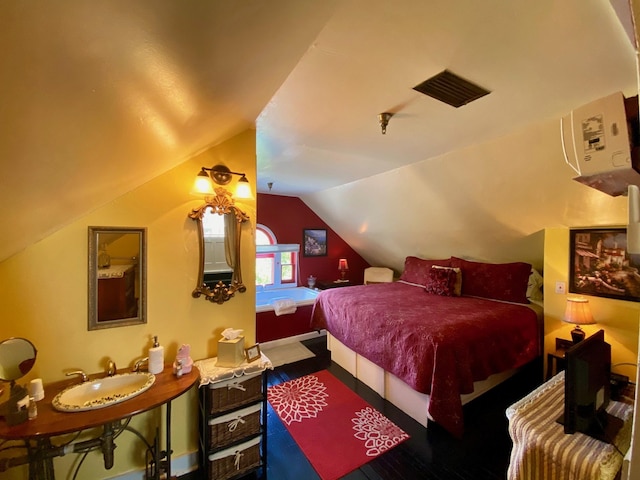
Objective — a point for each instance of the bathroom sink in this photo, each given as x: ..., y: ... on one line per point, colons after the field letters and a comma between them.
x: 102, y: 392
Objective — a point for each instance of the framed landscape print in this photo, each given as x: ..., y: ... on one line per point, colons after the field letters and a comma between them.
x: 315, y: 242
x: 599, y: 264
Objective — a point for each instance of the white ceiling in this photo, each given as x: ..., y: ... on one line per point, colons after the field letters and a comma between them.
x: 539, y: 58
x: 100, y: 97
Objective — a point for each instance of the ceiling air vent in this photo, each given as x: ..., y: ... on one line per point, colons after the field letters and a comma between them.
x: 451, y: 89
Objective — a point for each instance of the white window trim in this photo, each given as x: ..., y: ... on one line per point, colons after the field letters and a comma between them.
x: 278, y: 248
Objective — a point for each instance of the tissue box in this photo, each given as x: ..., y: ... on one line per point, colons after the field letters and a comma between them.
x: 230, y: 352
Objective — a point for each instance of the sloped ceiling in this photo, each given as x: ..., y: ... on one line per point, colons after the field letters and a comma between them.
x: 540, y: 59
x: 100, y: 97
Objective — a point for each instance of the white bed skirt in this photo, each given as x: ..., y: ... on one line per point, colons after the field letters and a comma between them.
x: 391, y: 388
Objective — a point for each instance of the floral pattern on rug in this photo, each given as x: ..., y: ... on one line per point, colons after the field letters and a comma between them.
x: 378, y: 433
x: 298, y: 399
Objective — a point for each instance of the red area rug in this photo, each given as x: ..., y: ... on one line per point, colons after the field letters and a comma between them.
x: 336, y: 429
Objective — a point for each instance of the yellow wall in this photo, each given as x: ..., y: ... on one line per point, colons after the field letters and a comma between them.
x: 43, y: 296
x: 618, y: 318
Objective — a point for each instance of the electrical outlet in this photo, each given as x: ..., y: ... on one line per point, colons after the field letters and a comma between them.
x: 561, y: 288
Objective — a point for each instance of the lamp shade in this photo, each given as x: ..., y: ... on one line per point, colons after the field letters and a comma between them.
x: 202, y: 185
x: 243, y: 189
x: 342, y: 264
x: 578, y: 312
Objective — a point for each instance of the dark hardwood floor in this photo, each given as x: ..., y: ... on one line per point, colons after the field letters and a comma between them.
x: 431, y: 453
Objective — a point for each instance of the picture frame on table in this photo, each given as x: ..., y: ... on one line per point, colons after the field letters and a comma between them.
x: 314, y: 241
x: 252, y: 353
x: 600, y: 266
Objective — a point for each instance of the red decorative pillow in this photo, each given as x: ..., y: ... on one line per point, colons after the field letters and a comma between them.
x: 457, y: 289
x: 416, y: 270
x: 498, y: 281
x: 441, y: 281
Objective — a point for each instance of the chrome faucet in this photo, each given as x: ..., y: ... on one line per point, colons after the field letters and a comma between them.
x: 138, y: 364
x: 111, y: 368
x: 79, y: 372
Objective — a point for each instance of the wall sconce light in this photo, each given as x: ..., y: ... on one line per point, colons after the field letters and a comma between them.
x: 221, y: 175
x: 384, y: 118
x: 343, y: 266
x: 578, y: 313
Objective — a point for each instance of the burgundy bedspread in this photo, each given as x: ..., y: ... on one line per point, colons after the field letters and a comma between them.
x: 438, y: 345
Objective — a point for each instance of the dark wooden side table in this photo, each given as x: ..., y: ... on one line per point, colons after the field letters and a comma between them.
x: 555, y: 360
x: 326, y: 284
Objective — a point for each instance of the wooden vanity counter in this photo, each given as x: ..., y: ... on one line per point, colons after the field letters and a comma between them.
x: 51, y: 422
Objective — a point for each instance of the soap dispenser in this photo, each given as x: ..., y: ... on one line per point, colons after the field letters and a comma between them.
x: 156, y: 357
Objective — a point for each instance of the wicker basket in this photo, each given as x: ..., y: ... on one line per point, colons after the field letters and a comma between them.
x: 232, y: 427
x: 234, y: 393
x: 235, y: 461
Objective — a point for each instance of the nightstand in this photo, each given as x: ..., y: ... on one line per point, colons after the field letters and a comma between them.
x: 555, y: 359
x: 324, y: 285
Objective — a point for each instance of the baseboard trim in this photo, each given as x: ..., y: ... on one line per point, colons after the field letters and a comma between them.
x: 179, y: 466
x: 295, y: 338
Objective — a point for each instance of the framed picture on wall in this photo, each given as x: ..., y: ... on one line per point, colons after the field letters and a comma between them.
x: 315, y: 242
x: 599, y: 264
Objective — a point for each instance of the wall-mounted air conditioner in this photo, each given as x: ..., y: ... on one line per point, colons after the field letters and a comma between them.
x: 597, y: 145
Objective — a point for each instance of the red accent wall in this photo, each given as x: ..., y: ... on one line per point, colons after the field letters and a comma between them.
x: 287, y: 217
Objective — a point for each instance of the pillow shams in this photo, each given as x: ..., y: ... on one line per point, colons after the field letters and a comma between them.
x: 416, y: 270
x: 498, y: 281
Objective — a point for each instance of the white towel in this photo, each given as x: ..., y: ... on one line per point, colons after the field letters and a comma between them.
x: 284, y: 306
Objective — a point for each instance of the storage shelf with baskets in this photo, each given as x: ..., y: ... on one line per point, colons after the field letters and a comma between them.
x: 233, y: 423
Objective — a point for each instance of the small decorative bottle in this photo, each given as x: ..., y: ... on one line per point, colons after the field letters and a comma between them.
x: 33, y: 408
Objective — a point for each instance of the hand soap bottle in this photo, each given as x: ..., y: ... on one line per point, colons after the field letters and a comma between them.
x: 156, y: 357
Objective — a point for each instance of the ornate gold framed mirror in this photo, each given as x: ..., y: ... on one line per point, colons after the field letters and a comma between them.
x: 117, y: 277
x: 219, y: 235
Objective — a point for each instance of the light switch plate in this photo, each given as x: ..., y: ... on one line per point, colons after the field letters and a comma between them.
x: 561, y: 288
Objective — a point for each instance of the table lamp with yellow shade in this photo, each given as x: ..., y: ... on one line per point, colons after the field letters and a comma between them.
x: 578, y: 313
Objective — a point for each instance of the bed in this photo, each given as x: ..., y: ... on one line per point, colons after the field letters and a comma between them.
x: 447, y: 331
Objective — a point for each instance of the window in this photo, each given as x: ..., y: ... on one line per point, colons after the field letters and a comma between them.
x: 276, y: 264
x: 265, y: 262
x: 212, y: 224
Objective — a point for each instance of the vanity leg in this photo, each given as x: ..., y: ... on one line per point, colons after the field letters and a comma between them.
x: 40, y: 464
x: 162, y: 458
x: 157, y: 457
x: 107, y: 446
x: 168, y: 440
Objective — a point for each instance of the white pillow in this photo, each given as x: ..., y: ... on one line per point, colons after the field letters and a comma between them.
x: 457, y: 288
x: 534, y: 287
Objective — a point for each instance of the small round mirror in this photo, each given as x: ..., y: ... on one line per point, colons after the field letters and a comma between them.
x: 17, y: 356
